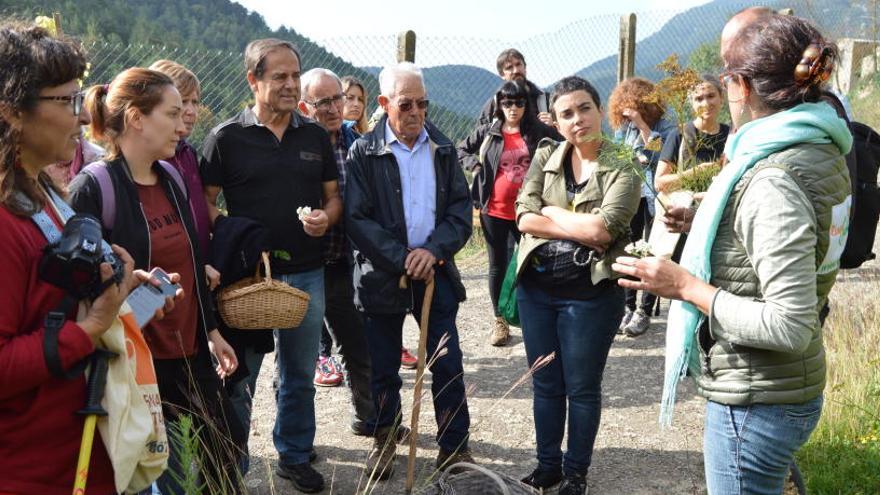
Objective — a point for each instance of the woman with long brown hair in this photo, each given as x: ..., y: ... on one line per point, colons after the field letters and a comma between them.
x: 138, y: 117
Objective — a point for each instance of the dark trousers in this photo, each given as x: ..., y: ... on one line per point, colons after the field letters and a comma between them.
x: 640, y: 227
x: 501, y: 236
x: 345, y: 324
x: 580, y: 332
x: 191, y: 387
x: 384, y: 337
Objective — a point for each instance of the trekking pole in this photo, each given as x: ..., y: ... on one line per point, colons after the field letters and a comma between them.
x: 93, y: 409
x: 417, y: 391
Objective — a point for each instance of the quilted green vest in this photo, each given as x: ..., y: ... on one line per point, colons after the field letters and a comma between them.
x: 738, y: 375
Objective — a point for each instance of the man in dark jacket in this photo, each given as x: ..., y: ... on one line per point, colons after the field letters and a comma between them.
x: 407, y: 212
x: 511, y: 66
x: 322, y: 101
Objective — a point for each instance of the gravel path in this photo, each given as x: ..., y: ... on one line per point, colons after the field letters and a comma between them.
x: 632, y: 455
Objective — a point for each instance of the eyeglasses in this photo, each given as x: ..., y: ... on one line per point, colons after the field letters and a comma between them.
x: 324, y: 103
x: 407, y: 105
x: 75, y: 100
x: 520, y: 103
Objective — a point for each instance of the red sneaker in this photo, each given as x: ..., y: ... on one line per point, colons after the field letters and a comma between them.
x: 407, y: 360
x: 326, y: 374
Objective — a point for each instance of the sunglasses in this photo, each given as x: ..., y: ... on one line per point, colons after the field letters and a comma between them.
x: 75, y: 100
x: 408, y: 105
x: 519, y: 103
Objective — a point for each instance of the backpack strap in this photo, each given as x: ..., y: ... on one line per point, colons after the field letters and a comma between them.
x: 101, y: 173
x: 178, y: 179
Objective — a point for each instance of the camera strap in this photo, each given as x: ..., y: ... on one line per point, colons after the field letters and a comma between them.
x: 56, y: 318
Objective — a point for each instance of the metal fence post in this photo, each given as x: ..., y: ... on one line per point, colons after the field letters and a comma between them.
x: 406, y: 46
x: 626, y: 60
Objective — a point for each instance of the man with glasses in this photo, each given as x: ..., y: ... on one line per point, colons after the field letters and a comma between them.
x: 322, y: 100
x: 407, y: 212
x: 269, y: 161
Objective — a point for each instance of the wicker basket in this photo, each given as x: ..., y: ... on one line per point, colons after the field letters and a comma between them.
x: 471, y: 478
x: 260, y: 302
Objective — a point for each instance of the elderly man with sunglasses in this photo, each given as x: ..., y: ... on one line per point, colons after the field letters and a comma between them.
x: 407, y: 212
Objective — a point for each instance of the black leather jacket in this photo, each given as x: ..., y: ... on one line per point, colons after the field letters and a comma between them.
x: 376, y: 225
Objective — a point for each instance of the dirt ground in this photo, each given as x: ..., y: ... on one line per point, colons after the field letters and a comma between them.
x: 633, y: 455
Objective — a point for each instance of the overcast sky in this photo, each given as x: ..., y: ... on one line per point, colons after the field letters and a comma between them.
x: 556, y: 41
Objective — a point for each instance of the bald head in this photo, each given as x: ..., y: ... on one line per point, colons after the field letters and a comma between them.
x: 739, y: 21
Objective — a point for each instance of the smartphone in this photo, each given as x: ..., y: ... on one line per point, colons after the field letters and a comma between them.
x: 147, y: 298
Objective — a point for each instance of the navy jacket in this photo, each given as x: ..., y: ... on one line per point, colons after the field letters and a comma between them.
x: 376, y: 225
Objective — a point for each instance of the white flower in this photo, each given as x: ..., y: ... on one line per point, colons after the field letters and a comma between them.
x: 639, y: 249
x: 303, y: 211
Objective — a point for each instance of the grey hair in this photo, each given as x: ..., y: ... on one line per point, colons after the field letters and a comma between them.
x: 255, y: 54
x: 391, y: 73
x: 312, y: 76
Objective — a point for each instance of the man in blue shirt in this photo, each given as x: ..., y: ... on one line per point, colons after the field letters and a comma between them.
x: 407, y: 212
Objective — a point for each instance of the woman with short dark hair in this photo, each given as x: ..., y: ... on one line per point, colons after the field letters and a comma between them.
x: 761, y: 258
x: 498, y: 154
x: 574, y: 211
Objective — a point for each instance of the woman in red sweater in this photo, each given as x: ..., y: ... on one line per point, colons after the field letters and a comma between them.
x: 40, y: 117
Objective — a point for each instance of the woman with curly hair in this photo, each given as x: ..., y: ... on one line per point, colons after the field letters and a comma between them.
x: 639, y: 123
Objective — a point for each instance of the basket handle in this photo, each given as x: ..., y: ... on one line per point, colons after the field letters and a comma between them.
x: 467, y: 465
x: 265, y: 256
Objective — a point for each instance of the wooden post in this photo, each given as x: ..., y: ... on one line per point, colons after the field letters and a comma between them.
x: 406, y: 46
x: 56, y: 16
x: 786, y: 11
x: 626, y: 60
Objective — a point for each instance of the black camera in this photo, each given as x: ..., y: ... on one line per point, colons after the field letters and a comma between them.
x: 74, y: 262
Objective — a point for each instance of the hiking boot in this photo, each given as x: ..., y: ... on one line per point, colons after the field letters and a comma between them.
x: 543, y: 478
x: 380, y: 463
x: 627, y: 316
x: 500, y: 333
x: 574, y: 484
x: 446, y: 459
x: 326, y: 373
x: 638, y: 324
x: 361, y: 429
x: 407, y: 360
x: 303, y: 477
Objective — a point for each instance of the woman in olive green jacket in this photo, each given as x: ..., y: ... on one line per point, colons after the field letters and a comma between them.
x: 761, y: 258
x: 574, y: 212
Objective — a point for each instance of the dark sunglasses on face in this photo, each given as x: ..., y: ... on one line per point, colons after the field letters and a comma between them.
x: 510, y: 103
x: 407, y: 105
x: 75, y: 100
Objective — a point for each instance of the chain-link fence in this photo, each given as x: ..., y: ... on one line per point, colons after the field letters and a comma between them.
x: 460, y: 73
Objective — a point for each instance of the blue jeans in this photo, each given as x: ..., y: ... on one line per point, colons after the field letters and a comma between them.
x: 242, y: 395
x: 580, y: 332
x: 297, y: 350
x: 748, y: 449
x: 384, y: 338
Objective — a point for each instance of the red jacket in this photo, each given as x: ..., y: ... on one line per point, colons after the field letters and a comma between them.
x: 40, y: 432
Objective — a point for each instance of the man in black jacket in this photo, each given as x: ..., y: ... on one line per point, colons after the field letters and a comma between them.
x: 407, y: 212
x: 511, y: 66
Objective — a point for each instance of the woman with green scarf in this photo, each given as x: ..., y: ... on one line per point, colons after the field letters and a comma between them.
x: 760, y: 260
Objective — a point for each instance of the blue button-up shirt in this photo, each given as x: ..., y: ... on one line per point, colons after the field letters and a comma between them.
x: 418, y: 184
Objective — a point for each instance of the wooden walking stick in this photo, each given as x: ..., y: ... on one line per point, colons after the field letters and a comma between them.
x: 417, y: 390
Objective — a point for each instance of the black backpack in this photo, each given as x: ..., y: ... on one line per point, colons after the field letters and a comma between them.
x: 866, y: 197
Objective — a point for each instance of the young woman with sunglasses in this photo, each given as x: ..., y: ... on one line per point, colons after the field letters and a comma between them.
x: 498, y: 154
